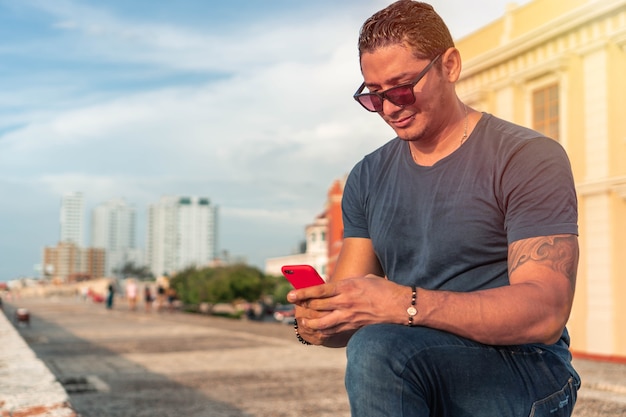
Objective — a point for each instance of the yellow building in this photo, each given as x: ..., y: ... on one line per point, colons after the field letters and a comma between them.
x: 559, y: 66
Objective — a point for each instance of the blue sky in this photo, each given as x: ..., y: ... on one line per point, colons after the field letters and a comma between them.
x: 247, y: 102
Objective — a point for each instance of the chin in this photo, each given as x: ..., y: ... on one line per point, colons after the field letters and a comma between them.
x: 409, y: 134
x: 408, y: 137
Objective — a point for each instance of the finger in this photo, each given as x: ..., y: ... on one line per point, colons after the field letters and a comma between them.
x: 323, y: 322
x: 317, y: 291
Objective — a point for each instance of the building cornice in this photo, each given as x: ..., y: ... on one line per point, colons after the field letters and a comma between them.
x: 615, y: 185
x: 620, y: 39
x: 565, y: 23
x: 553, y: 65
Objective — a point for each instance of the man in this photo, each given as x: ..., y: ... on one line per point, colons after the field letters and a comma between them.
x: 457, y: 272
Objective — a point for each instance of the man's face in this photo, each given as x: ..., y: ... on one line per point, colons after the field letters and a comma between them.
x: 395, y: 65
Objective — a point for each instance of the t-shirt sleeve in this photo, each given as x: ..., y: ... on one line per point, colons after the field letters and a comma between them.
x: 352, y: 204
x: 538, y: 192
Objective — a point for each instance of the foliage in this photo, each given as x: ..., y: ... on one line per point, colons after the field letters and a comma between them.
x: 131, y: 270
x: 281, y: 288
x: 226, y: 284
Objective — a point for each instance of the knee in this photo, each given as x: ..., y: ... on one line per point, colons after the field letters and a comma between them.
x: 369, y: 340
x: 391, y: 347
x: 372, y: 349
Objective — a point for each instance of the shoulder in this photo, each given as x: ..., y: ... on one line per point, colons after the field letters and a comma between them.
x: 390, y: 150
x: 508, y: 135
x: 389, y: 153
x: 374, y: 169
x: 508, y: 142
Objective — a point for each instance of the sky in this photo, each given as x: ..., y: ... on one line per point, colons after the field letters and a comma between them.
x: 246, y: 102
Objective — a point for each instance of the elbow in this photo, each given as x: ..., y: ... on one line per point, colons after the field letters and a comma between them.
x: 552, y: 320
x: 552, y: 329
x: 553, y: 337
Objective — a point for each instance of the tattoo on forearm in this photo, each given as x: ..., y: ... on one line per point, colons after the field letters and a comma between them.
x: 559, y: 252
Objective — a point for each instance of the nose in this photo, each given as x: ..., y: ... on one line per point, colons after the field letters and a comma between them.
x: 389, y: 108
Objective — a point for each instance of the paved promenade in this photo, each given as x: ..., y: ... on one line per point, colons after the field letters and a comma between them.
x: 124, y: 363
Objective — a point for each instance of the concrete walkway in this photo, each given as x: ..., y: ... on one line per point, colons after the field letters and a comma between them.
x: 125, y: 363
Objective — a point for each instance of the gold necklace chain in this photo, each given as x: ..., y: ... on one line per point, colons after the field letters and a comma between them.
x: 465, y: 128
x: 463, y: 138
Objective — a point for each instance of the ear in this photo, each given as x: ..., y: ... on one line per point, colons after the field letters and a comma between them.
x: 451, y: 65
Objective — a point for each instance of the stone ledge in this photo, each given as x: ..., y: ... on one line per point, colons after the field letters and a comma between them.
x: 27, y: 387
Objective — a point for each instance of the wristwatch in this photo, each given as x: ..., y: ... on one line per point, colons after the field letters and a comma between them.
x: 412, y: 311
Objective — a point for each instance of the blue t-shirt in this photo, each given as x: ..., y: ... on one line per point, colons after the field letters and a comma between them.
x: 448, y: 226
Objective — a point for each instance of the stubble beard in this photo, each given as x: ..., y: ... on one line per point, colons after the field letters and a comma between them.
x: 411, y: 137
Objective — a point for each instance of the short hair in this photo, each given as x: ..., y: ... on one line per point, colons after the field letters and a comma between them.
x: 406, y: 21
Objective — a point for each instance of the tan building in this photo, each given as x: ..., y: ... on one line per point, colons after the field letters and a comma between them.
x: 559, y: 66
x: 66, y: 262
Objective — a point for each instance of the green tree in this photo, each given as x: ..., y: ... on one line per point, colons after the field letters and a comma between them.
x: 223, y: 284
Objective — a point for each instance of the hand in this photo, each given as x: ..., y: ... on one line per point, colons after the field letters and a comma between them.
x: 329, y: 314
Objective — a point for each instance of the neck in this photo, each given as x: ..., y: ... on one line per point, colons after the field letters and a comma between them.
x: 427, y: 154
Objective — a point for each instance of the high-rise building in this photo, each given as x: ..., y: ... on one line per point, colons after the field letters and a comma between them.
x: 113, y: 228
x: 72, y: 218
x: 182, y: 232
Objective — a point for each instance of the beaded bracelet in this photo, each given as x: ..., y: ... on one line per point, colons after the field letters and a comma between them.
x: 412, y: 311
x: 295, y: 328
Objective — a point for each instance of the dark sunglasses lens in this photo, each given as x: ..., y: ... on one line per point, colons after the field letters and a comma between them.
x: 371, y: 102
x: 401, y: 96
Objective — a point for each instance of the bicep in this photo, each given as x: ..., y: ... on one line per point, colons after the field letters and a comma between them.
x: 357, y: 258
x: 549, y: 262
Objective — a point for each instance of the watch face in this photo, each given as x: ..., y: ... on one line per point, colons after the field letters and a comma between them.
x: 412, y: 311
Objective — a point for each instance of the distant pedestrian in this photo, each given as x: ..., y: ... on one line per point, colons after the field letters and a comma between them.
x: 110, y: 295
x: 131, y: 294
x: 147, y: 298
x: 160, y: 297
x: 171, y: 299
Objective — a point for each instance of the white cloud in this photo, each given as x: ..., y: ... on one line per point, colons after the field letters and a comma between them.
x: 259, y: 118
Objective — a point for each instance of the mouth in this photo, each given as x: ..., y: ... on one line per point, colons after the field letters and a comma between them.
x: 402, y: 122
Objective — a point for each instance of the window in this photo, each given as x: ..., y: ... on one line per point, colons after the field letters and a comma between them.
x: 546, y: 111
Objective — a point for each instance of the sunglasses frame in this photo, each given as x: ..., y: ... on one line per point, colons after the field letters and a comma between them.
x: 383, y: 95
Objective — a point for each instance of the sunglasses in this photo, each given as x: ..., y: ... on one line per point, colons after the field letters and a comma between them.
x: 400, y: 95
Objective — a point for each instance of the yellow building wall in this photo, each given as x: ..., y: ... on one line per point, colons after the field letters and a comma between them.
x: 619, y: 253
x: 617, y: 131
x: 581, y: 46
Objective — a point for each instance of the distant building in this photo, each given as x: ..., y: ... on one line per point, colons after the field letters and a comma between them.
x: 182, y: 232
x: 315, y: 250
x: 67, y: 262
x: 323, y: 238
x: 72, y: 218
x: 335, y: 223
x: 114, y: 229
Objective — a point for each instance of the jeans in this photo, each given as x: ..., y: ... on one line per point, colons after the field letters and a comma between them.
x: 401, y: 371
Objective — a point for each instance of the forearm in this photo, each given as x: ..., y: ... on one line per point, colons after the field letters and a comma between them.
x: 515, y: 314
x: 534, y: 308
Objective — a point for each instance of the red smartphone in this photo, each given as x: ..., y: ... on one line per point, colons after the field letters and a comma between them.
x: 302, y: 276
